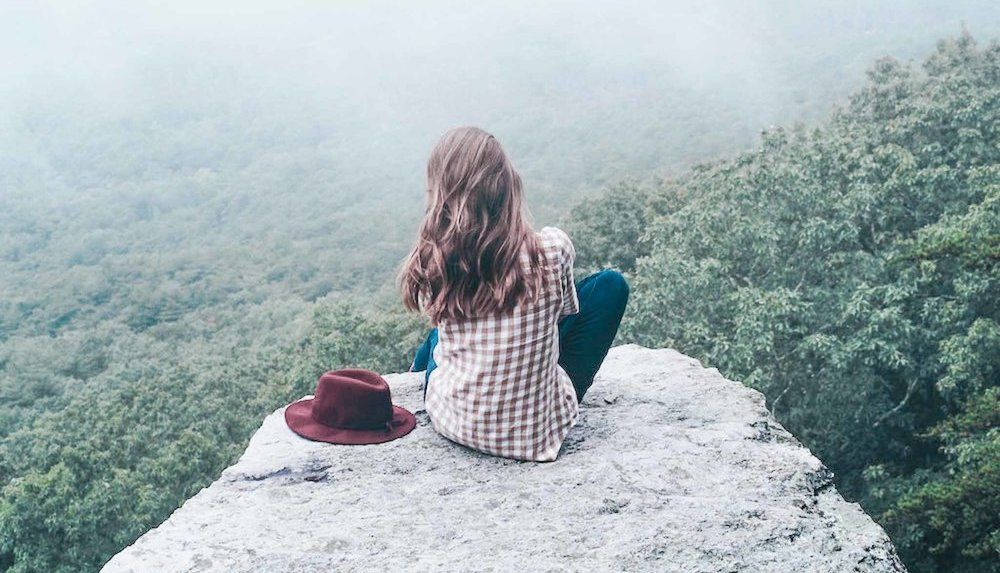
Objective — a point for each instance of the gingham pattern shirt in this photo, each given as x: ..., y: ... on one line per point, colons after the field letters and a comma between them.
x: 497, y: 387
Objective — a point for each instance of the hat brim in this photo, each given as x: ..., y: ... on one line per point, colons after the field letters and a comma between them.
x: 298, y: 416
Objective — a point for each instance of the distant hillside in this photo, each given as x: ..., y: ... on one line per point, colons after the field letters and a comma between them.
x: 850, y: 272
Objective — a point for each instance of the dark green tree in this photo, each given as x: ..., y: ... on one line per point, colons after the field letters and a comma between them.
x: 850, y: 272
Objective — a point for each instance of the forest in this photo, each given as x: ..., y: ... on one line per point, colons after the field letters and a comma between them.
x: 850, y: 272
x: 185, y: 250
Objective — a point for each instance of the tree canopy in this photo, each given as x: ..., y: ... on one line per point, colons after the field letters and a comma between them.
x: 850, y: 272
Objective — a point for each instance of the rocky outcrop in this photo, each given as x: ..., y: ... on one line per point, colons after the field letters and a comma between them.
x: 670, y: 467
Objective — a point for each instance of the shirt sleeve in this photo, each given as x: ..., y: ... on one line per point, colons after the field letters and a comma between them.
x: 567, y: 254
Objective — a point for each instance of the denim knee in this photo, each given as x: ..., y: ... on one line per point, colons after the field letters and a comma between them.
x: 614, y: 283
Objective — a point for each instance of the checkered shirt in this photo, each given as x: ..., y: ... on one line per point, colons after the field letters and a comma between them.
x: 497, y: 387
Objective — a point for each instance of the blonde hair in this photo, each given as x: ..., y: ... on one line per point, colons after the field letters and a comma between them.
x: 466, y: 261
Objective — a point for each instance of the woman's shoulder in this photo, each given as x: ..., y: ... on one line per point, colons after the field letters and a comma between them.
x: 554, y: 236
x: 556, y: 240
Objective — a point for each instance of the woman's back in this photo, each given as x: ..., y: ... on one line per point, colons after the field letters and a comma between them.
x: 497, y: 386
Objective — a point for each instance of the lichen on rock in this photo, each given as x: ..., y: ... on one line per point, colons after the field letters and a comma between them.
x: 670, y: 467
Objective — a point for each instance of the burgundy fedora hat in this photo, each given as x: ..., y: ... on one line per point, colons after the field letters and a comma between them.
x: 351, y: 406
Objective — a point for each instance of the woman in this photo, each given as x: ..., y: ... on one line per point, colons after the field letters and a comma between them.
x: 516, y: 343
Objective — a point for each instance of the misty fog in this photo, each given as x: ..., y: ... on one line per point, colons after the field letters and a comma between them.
x: 302, y: 128
x: 582, y: 94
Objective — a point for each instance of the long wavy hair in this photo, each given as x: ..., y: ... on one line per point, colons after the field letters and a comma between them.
x: 466, y: 261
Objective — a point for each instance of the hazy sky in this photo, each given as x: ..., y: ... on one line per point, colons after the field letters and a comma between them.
x: 370, y: 41
x: 607, y: 88
x: 295, y: 126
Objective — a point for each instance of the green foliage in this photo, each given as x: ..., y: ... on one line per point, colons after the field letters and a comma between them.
x: 84, y: 481
x: 952, y: 510
x: 850, y: 272
x: 610, y: 229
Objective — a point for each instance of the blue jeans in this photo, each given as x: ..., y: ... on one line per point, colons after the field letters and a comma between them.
x: 584, y: 338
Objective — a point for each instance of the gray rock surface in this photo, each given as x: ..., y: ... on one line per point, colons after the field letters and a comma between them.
x: 670, y: 467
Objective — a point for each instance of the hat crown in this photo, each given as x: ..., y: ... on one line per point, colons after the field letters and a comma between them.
x: 353, y: 399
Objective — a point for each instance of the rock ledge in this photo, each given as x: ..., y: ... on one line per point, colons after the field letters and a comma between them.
x: 671, y: 467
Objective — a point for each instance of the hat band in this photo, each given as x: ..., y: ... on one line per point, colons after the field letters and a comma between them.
x: 370, y: 425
